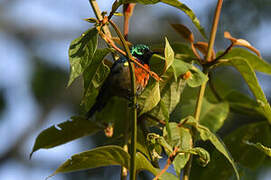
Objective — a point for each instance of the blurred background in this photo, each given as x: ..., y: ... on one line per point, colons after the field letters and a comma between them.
x: 34, y: 67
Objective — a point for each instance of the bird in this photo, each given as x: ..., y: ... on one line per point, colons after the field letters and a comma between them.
x: 118, y: 82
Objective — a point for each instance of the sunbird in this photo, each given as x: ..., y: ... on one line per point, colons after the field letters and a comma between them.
x: 118, y: 82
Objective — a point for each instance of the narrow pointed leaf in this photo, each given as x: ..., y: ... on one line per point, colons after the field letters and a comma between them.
x: 64, y: 132
x: 169, y: 55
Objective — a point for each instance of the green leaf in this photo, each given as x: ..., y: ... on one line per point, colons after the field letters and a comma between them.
x: 197, y: 76
x: 107, y: 156
x: 187, y: 11
x: 182, y: 138
x: 183, y: 52
x: 256, y: 62
x: 94, y: 76
x: 259, y: 146
x: 169, y: 55
x: 241, y: 103
x: 206, y: 134
x: 245, y: 155
x: 64, y: 132
x: 150, y: 97
x: 249, y: 75
x: 170, y: 91
x: 115, y: 112
x: 176, y: 4
x: 213, y: 115
x: 157, y: 64
x: 254, y: 132
x: 97, y: 157
x: 81, y: 52
x: 203, y: 155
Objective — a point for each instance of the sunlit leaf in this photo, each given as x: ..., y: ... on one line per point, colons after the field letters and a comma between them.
x: 170, y: 92
x: 241, y: 42
x: 256, y: 62
x: 150, y: 97
x: 64, y: 132
x: 81, y: 52
x: 213, y: 115
x: 169, y: 55
x: 97, y: 157
x: 197, y: 76
x: 107, y: 156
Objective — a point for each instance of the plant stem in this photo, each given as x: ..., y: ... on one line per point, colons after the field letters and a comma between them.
x: 98, y: 15
x: 214, y: 30
x: 203, y: 86
x: 134, y: 101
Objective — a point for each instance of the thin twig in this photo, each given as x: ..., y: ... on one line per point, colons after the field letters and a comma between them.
x: 169, y: 162
x: 225, y: 52
x: 99, y: 16
x: 214, y: 30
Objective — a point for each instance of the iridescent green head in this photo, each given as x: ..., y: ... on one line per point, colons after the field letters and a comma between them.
x: 141, y: 52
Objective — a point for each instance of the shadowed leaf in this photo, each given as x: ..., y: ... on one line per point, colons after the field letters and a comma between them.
x: 184, y: 32
x: 64, y: 132
x: 249, y: 75
x: 206, y: 134
x: 94, y: 76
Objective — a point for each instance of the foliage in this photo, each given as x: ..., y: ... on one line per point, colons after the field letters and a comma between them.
x: 170, y: 122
